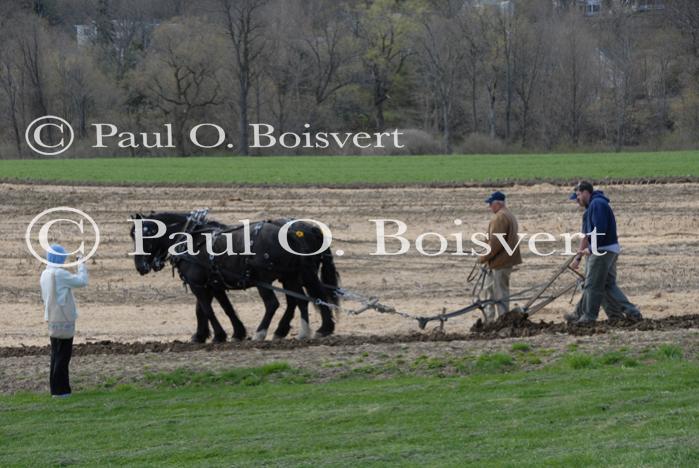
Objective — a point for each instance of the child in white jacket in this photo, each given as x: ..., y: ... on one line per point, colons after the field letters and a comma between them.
x: 60, y: 312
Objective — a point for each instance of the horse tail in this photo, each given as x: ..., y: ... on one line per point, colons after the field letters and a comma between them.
x: 321, y: 279
x: 330, y: 276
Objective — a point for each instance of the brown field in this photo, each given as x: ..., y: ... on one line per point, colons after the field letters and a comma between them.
x: 658, y: 227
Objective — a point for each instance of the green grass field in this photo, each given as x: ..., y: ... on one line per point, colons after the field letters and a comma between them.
x: 348, y: 170
x: 581, y: 410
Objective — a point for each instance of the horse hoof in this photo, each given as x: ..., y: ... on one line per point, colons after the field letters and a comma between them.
x: 219, y: 339
x: 322, y: 334
x: 198, y: 339
x: 260, y: 335
x: 276, y: 337
x: 305, y: 331
x: 239, y: 338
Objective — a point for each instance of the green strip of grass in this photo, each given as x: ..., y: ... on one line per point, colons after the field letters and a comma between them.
x: 343, y: 170
x: 560, y: 415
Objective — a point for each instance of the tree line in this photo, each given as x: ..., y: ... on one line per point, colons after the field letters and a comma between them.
x: 454, y: 76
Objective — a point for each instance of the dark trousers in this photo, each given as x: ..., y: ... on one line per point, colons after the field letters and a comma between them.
x: 61, y: 350
x: 601, y: 290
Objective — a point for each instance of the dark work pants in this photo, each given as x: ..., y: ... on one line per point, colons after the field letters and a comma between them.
x: 601, y: 290
x: 61, y: 350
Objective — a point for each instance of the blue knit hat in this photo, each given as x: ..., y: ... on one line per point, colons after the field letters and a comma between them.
x: 56, y: 254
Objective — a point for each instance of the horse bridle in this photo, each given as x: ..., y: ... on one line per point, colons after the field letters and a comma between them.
x: 159, y: 258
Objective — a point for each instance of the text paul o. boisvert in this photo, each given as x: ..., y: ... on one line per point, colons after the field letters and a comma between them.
x: 262, y: 135
x: 149, y: 229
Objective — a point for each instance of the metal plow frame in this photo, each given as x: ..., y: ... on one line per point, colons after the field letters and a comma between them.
x: 536, y: 298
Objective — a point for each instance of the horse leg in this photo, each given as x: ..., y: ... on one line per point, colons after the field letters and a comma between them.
x: 305, y: 331
x: 291, y: 303
x: 285, y: 322
x: 315, y: 289
x: 205, y: 296
x: 203, y: 330
x: 239, y: 332
x: 271, y: 306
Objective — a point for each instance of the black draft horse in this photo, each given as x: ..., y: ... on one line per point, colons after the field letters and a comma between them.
x: 209, y: 276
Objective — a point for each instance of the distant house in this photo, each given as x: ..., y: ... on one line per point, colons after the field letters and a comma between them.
x: 505, y: 6
x: 586, y: 7
x: 648, y: 5
x: 590, y: 7
x: 85, y: 34
x: 598, y: 7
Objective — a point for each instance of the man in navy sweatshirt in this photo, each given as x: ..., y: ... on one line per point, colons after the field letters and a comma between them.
x: 601, y: 246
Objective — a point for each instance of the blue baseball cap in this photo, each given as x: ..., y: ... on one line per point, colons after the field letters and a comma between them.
x: 56, y: 254
x: 495, y: 196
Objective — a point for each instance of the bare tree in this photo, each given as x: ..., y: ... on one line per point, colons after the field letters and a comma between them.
x: 384, y: 26
x: 182, y: 76
x: 684, y: 14
x: 286, y: 65
x: 329, y: 46
x: 528, y: 57
x: 244, y: 26
x: 312, y: 56
x: 32, y: 52
x: 507, y: 25
x: 573, y: 74
x: 80, y: 85
x: 619, y: 51
x: 494, y: 58
x: 285, y: 73
x: 476, y: 50
x: 441, y: 59
x: 10, y: 84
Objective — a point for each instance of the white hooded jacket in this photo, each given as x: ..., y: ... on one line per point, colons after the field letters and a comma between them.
x: 60, y: 292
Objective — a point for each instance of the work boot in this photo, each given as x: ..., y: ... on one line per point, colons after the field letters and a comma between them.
x: 616, y: 318
x: 634, y: 317
x: 571, y: 317
x: 585, y: 320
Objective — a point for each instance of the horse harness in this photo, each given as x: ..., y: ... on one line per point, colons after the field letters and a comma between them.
x: 214, y: 276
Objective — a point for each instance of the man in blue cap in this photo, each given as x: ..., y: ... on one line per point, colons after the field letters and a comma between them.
x: 60, y: 312
x: 601, y: 247
x: 502, y: 229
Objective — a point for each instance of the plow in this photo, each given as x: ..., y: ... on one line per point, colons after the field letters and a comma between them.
x: 534, y: 298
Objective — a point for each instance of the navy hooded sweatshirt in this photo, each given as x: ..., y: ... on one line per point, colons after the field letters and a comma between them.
x: 600, y: 215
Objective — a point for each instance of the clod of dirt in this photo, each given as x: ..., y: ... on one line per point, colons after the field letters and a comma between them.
x: 513, y: 324
x: 511, y: 319
x: 516, y: 324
